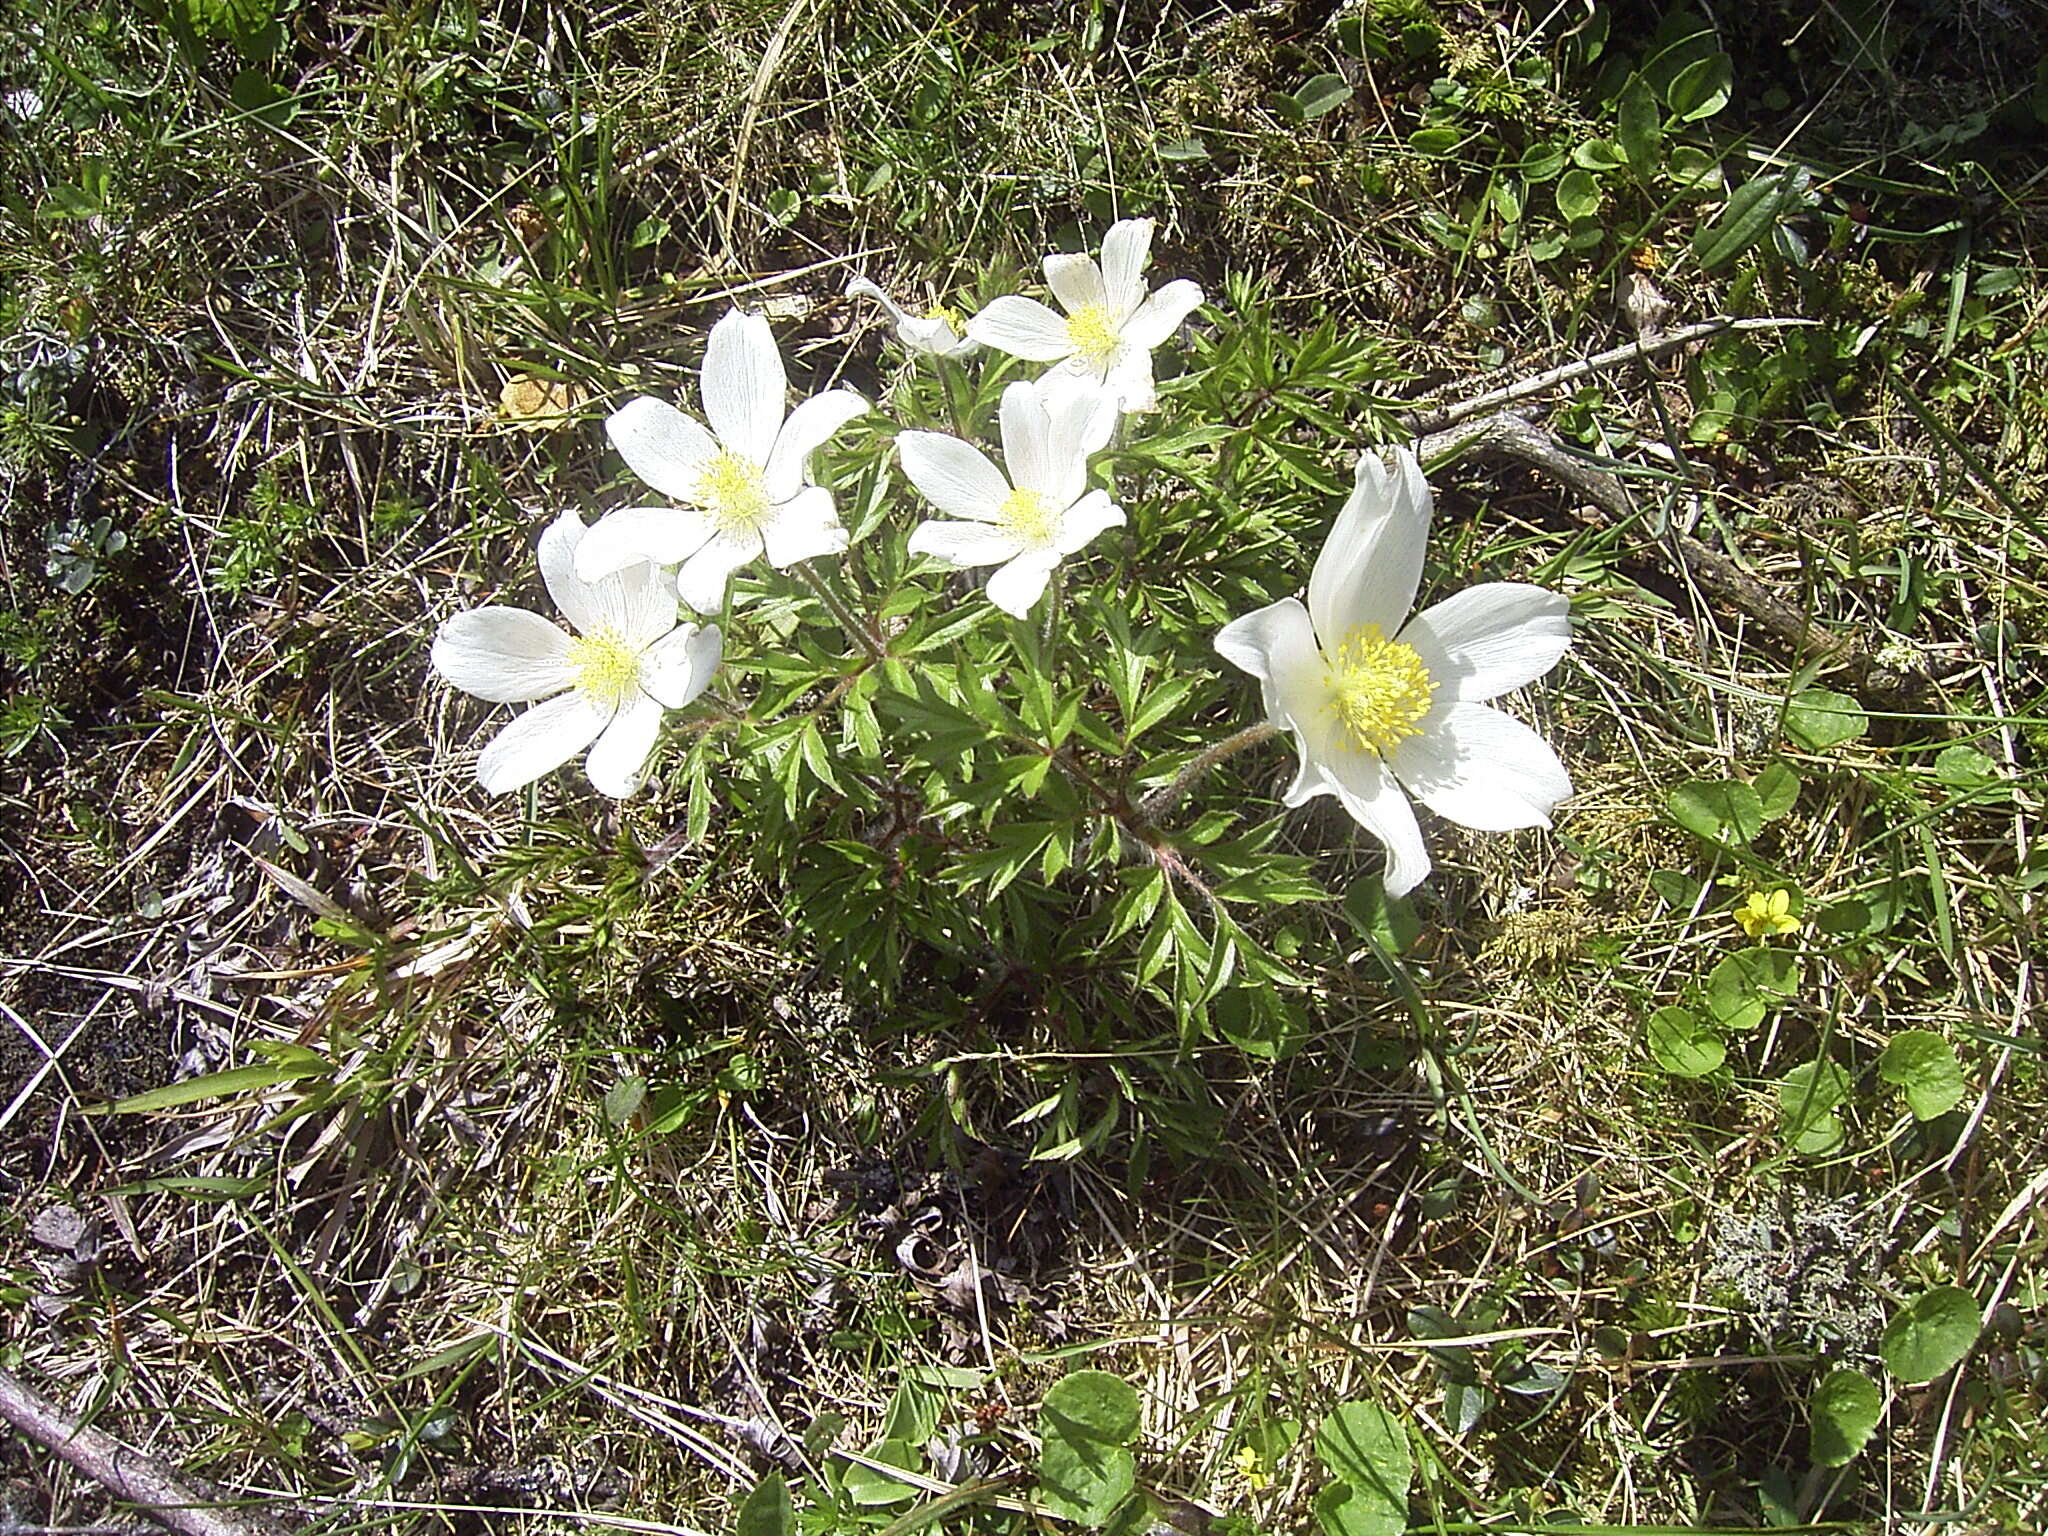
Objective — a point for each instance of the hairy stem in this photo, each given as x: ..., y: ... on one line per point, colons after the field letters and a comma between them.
x: 1160, y: 801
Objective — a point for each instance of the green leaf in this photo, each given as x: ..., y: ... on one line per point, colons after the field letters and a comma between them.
x: 1323, y: 93
x: 1846, y: 1407
x: 767, y: 1511
x: 869, y: 1488
x: 1961, y: 766
x: 219, y: 1085
x: 1181, y: 150
x: 1684, y: 1046
x: 1578, y: 194
x: 913, y: 1414
x: 1752, y: 210
x: 1931, y: 1334
x: 1820, y: 718
x: 1777, y: 789
x: 1599, y: 155
x: 1700, y: 90
x: 1923, y: 1066
x: 1366, y: 1449
x: 623, y: 1099
x: 1639, y: 127
x: 1723, y: 811
x: 1808, y: 1097
x: 1086, y: 1422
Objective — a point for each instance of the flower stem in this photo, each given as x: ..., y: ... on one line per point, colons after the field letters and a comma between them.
x: 856, y: 628
x: 1160, y: 801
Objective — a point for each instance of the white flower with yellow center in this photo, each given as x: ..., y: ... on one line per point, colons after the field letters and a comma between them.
x: 1383, y: 706
x: 606, y: 687
x: 1030, y: 520
x: 935, y: 333
x: 744, y: 491
x: 1111, y: 324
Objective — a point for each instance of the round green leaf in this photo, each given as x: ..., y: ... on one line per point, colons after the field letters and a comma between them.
x: 1923, y: 1066
x: 1931, y: 1334
x: 1846, y: 1408
x: 1578, y: 194
x: 1366, y: 1448
x: 1808, y: 1097
x: 1682, y: 1045
x: 1820, y: 718
x: 1700, y: 89
x: 1777, y: 789
x: 1094, y: 1403
x: 1749, y: 984
x: 1723, y: 811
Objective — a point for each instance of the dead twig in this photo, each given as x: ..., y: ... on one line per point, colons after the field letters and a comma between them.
x: 1879, y: 685
x: 1421, y: 421
x: 184, y: 1503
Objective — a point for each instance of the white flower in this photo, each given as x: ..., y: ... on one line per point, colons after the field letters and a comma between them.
x: 932, y: 333
x: 1378, y: 706
x: 744, y: 490
x: 1037, y: 515
x: 609, y: 685
x: 1111, y: 325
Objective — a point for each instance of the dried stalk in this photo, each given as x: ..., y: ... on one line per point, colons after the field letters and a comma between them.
x: 186, y: 1504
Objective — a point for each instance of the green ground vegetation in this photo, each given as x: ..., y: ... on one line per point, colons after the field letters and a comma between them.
x: 410, y: 1160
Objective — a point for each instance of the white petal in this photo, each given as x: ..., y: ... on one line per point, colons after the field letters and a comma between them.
x: 1023, y: 328
x: 1482, y: 641
x: 955, y: 477
x: 1016, y: 586
x: 809, y: 425
x: 934, y: 335
x: 660, y: 535
x: 1086, y: 518
x: 1074, y: 280
x: 539, y: 741
x: 1277, y: 646
x: 861, y: 288
x: 1027, y: 439
x: 802, y: 528
x: 1160, y: 315
x: 701, y: 581
x: 1369, y: 793
x: 680, y: 665
x: 1079, y: 418
x: 505, y: 655
x: 1125, y: 250
x: 581, y: 606
x: 619, y: 759
x: 964, y: 545
x: 643, y: 597
x: 1482, y: 769
x: 744, y: 385
x: 661, y: 445
x: 1372, y: 561
x: 1129, y: 380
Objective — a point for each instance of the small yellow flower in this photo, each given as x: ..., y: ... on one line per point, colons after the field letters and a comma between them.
x: 1763, y: 914
x: 1252, y: 1469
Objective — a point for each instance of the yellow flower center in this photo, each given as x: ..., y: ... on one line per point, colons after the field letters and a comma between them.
x: 1092, y: 331
x: 944, y: 312
x: 1379, y: 689
x: 607, y: 669
x: 735, y: 492
x: 1028, y: 517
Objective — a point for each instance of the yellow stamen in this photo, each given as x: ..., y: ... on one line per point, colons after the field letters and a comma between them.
x: 1379, y: 689
x: 943, y: 312
x: 735, y: 492
x: 1028, y: 517
x: 1092, y: 330
x: 607, y: 669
